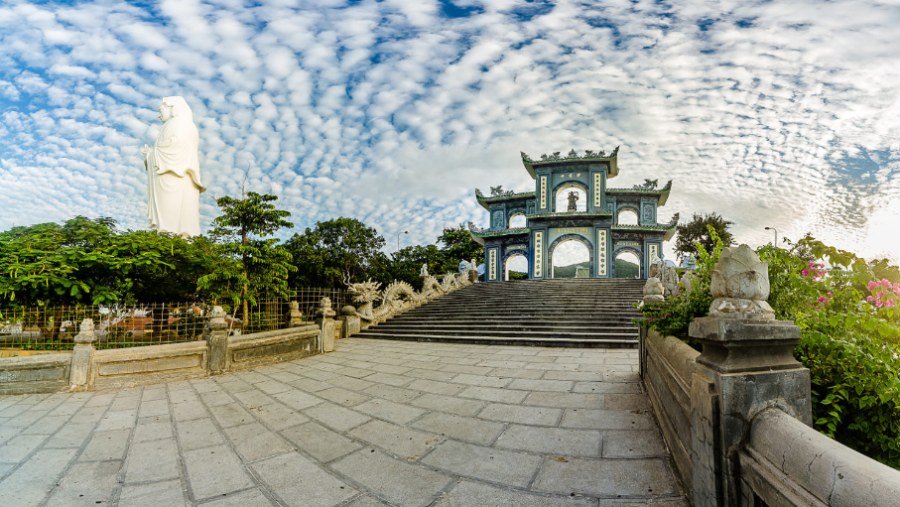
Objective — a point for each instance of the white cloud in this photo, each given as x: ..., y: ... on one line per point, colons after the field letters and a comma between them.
x: 388, y: 112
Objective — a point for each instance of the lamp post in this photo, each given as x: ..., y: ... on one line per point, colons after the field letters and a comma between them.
x: 398, y: 238
x: 776, y: 235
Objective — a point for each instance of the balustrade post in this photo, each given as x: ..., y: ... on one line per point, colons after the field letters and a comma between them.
x: 747, y: 366
x: 295, y: 316
x: 217, y: 341
x: 82, y: 357
x: 325, y: 320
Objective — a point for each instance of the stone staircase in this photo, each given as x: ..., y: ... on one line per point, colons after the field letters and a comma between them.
x: 566, y: 313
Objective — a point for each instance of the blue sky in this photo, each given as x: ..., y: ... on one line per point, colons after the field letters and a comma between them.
x: 776, y: 113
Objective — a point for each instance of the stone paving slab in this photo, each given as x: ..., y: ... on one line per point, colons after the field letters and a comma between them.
x: 374, y: 423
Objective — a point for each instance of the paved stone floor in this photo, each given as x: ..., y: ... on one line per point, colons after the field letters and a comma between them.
x: 374, y: 423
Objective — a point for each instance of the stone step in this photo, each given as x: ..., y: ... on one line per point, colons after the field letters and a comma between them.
x: 537, y: 341
x: 582, y: 313
x: 573, y: 335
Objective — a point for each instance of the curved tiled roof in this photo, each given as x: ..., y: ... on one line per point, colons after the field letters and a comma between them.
x: 572, y: 157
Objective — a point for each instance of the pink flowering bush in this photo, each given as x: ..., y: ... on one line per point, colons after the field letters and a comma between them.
x: 884, y: 294
x: 849, y: 319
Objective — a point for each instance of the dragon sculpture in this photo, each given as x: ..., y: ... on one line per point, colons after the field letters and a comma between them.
x: 399, y: 296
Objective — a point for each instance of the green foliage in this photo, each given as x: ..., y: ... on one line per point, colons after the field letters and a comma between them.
x: 851, y: 347
x: 89, y: 261
x: 248, y: 265
x: 406, y: 263
x: 625, y: 269
x: 335, y: 250
x: 569, y: 271
x: 674, y: 315
x: 458, y: 245
x: 698, y: 231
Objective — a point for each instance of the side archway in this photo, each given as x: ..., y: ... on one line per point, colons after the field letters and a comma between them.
x: 628, y: 263
x: 627, y: 215
x: 515, y: 266
x: 517, y: 220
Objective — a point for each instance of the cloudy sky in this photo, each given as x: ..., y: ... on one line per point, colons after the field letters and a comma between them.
x: 775, y: 113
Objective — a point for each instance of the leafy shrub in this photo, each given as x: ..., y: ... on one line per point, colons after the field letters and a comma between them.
x: 673, y: 316
x: 849, y: 323
x: 855, y: 382
x: 849, y: 340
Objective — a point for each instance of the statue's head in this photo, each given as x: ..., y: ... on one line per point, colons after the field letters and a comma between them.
x: 174, y: 107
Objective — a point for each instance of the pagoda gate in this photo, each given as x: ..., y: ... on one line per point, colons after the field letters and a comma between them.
x: 595, y: 223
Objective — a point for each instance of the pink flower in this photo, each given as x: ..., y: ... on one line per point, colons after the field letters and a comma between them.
x: 805, y: 272
x: 872, y: 285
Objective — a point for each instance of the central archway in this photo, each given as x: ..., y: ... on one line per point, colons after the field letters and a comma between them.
x: 570, y: 257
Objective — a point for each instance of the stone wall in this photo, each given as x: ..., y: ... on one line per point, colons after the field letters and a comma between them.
x: 272, y: 346
x: 737, y: 416
x: 668, y: 369
x: 86, y: 368
x: 785, y: 462
x: 45, y: 373
x: 779, y: 460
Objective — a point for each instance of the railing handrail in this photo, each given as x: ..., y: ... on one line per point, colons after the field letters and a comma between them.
x: 797, y: 455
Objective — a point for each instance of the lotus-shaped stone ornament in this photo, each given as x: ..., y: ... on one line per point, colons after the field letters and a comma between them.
x: 740, y: 274
x: 740, y: 286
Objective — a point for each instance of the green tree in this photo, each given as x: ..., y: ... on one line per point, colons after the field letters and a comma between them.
x: 249, y: 264
x: 458, y: 245
x: 406, y: 263
x: 697, y: 231
x: 334, y: 250
x: 175, y: 280
x: 674, y: 315
x: 83, y: 261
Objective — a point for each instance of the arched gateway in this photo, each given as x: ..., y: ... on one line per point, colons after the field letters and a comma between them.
x: 553, y: 215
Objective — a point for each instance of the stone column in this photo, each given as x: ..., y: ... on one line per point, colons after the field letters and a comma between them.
x: 747, y: 366
x: 217, y: 341
x: 295, y: 317
x: 350, y: 320
x: 82, y: 357
x: 325, y: 320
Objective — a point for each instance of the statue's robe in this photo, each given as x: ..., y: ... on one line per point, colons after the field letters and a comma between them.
x: 173, y: 174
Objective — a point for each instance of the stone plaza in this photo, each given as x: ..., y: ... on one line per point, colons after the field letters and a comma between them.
x: 374, y: 423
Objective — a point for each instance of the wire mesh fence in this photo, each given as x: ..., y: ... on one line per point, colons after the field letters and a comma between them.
x: 55, y: 327
x: 118, y: 326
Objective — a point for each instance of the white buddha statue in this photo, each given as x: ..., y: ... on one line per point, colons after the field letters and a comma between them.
x: 173, y: 171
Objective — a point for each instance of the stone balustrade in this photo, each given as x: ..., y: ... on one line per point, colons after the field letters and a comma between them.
x: 220, y: 351
x: 737, y: 415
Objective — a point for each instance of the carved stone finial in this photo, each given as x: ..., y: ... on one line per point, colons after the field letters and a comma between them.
x: 295, y: 316
x: 217, y: 318
x: 740, y: 286
x: 86, y: 333
x: 654, y: 290
x: 325, y: 310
